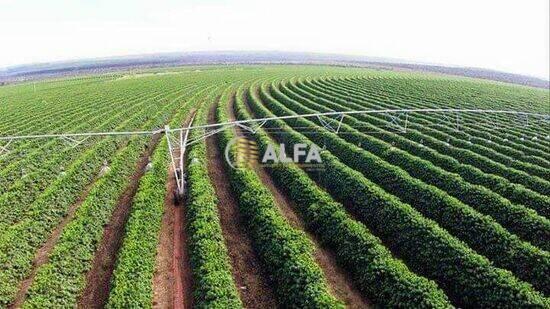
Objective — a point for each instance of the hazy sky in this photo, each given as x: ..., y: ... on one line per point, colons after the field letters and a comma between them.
x: 506, y: 35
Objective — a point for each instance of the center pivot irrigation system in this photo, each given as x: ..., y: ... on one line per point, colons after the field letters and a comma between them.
x: 178, y: 138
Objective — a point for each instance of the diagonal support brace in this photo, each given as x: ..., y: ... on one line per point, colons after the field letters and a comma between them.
x: 4, y: 149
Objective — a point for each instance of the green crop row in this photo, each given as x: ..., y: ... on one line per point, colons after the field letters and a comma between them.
x: 430, y: 93
x: 20, y: 242
x: 382, y: 278
x: 468, y: 278
x: 487, y: 148
x: 131, y: 281
x: 519, y: 220
x: 430, y: 126
x: 514, y: 192
x: 480, y: 232
x: 480, y: 125
x: 35, y: 158
x: 463, y: 155
x: 213, y: 281
x: 72, y: 117
x: 469, y: 131
x: 13, y: 159
x: 133, y: 274
x: 13, y: 204
x: 59, y: 282
x: 286, y: 252
x: 26, y: 116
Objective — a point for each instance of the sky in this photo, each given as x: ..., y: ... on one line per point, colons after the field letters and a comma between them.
x: 506, y: 35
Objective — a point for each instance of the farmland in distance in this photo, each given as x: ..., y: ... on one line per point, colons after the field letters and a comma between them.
x: 409, y: 210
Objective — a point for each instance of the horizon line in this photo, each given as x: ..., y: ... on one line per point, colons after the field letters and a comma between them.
x: 373, y: 59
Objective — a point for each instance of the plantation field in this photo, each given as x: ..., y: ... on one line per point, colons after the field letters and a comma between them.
x: 432, y: 216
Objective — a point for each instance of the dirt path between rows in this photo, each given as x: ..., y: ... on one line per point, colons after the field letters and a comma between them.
x: 98, y: 279
x: 173, y: 278
x: 42, y: 255
x: 163, y: 278
x: 339, y: 280
x: 252, y: 283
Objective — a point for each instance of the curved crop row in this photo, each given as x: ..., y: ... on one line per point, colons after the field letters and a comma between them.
x: 480, y: 232
x: 488, y: 146
x: 433, y: 124
x: 133, y: 274
x: 470, y: 128
x: 468, y: 278
x: 479, y: 123
x: 522, y: 221
x: 462, y: 155
x: 20, y: 241
x: 407, y: 90
x: 474, y: 125
x: 285, y: 251
x: 514, y: 192
x: 434, y: 129
x: 384, y: 279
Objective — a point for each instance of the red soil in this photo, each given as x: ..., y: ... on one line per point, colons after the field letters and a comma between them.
x: 98, y: 279
x: 43, y: 253
x: 255, y: 290
x: 339, y: 280
x: 173, y: 278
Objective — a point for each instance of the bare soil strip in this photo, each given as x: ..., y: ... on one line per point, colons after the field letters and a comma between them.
x: 43, y: 253
x: 98, y: 279
x: 252, y: 283
x: 339, y: 280
x: 173, y: 279
x: 183, y: 291
x: 183, y: 288
x: 163, y: 278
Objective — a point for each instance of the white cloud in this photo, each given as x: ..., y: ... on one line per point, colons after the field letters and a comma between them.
x: 505, y: 35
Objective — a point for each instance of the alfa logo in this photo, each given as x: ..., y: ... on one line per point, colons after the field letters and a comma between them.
x: 247, y: 154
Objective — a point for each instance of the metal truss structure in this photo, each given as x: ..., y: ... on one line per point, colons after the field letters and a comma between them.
x: 178, y: 138
x: 177, y: 145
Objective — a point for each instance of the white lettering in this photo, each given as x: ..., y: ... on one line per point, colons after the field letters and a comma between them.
x: 299, y: 150
x: 282, y: 155
x: 270, y: 155
x: 314, y: 155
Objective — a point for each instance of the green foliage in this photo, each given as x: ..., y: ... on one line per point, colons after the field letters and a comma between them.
x: 83, y: 233
x: 213, y: 280
x: 19, y: 243
x: 385, y: 280
x: 430, y: 196
x: 481, y: 233
x: 133, y: 275
x: 58, y: 283
x: 467, y: 277
x: 282, y: 249
x: 514, y: 192
x: 441, y: 142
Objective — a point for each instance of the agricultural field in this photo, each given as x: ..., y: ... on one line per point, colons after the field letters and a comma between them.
x: 449, y: 212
